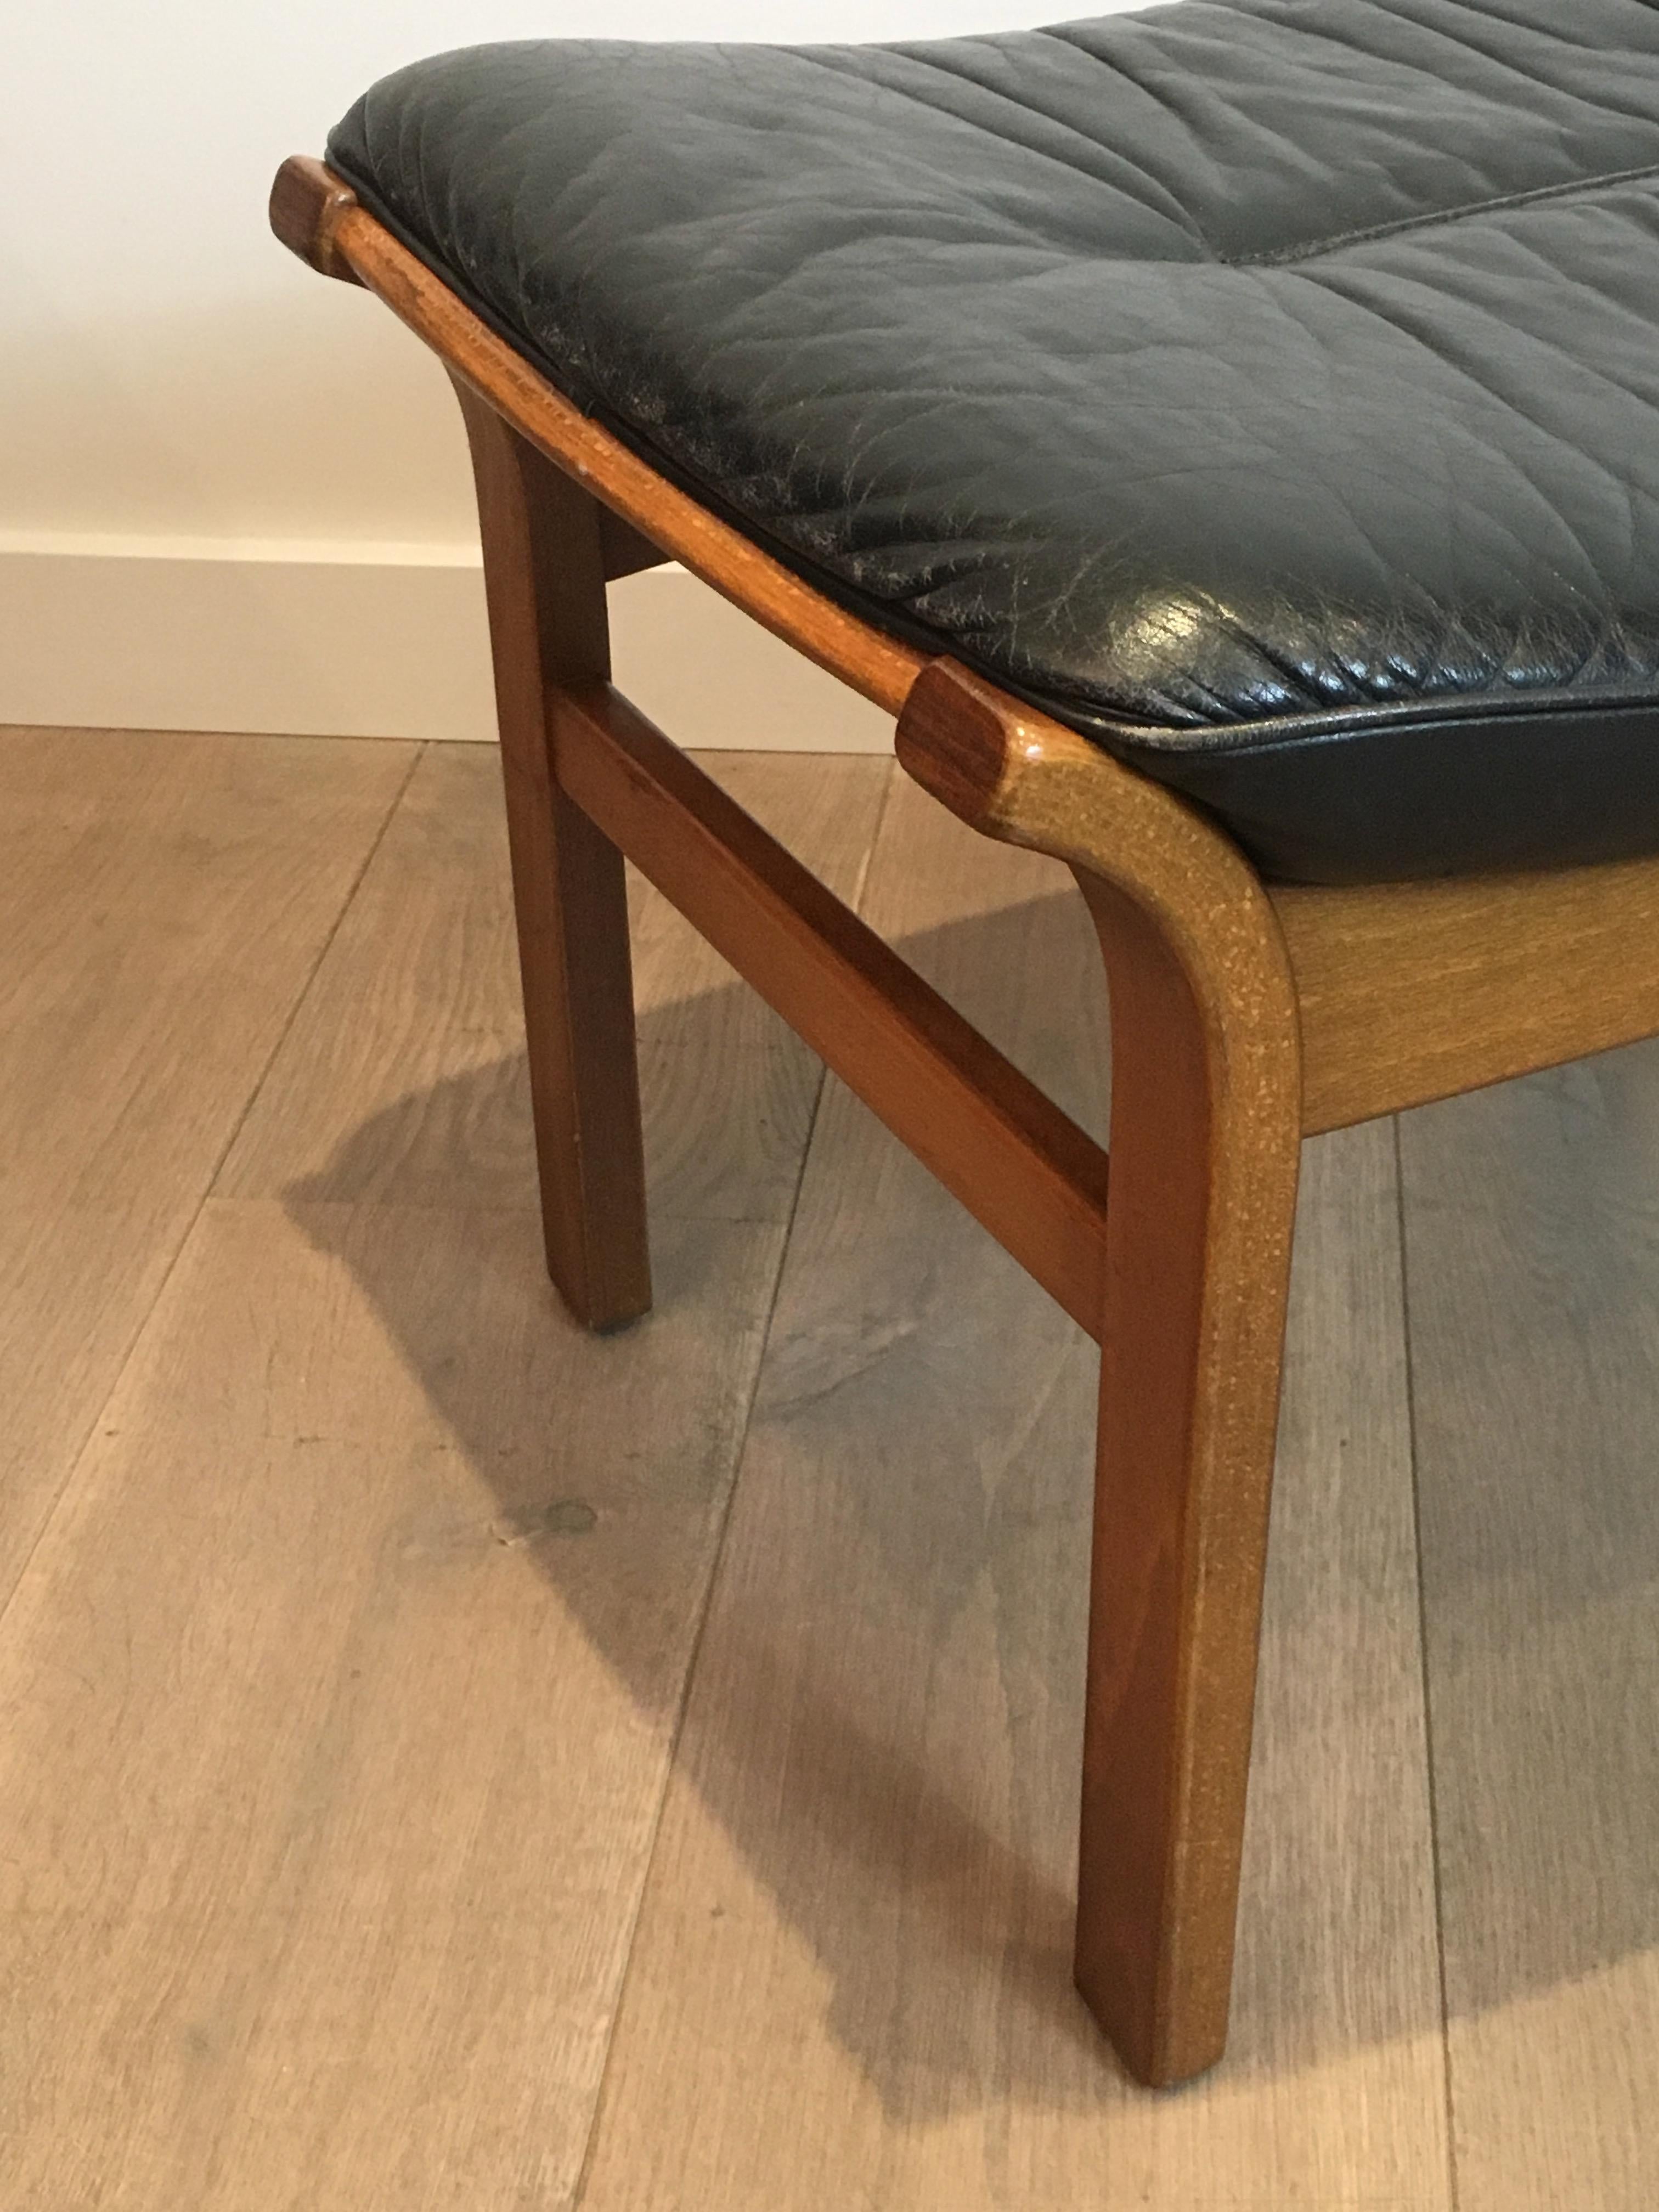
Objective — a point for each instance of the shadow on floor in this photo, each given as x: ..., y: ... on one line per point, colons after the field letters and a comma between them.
x: 945, y: 1938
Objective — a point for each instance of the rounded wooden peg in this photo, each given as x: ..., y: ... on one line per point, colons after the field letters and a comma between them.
x: 306, y: 202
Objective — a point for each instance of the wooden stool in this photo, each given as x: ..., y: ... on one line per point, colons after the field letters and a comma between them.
x: 1246, y: 1012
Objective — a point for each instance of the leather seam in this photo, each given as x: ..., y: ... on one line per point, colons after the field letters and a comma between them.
x: 1180, y: 218
x: 1295, y: 733
x: 1536, y: 195
x: 1183, y: 219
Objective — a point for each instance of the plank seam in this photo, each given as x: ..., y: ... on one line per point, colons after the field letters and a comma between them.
x: 1423, y: 1667
x: 717, y: 1557
x: 50, y: 1517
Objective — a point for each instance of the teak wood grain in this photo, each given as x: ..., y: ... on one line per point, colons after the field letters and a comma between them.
x: 1411, y: 992
x: 1028, y: 1173
x: 1205, y: 1148
x: 849, y: 1983
x: 1240, y: 1017
x: 545, y: 581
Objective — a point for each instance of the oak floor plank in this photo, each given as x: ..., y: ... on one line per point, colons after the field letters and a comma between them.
x: 850, y: 1985
x: 163, y: 899
x: 333, y: 1711
x: 1532, y: 1218
x: 336, y: 1705
x: 417, y: 1016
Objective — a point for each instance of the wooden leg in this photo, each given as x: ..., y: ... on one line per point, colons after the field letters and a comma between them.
x: 544, y: 575
x: 1205, y: 1146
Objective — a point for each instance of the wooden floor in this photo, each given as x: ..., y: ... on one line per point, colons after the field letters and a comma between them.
x: 451, y: 1762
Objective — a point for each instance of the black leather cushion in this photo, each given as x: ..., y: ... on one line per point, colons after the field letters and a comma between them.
x: 1267, y: 388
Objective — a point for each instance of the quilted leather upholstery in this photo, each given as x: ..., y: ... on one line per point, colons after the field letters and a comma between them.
x: 1269, y: 389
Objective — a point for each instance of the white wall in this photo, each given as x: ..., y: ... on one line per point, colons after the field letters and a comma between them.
x: 174, y: 387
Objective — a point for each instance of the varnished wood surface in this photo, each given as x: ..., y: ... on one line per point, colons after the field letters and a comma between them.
x: 163, y: 901
x: 990, y: 1135
x: 1410, y: 992
x: 851, y: 1981
x: 306, y: 200
x: 1205, y: 1146
x: 544, y: 577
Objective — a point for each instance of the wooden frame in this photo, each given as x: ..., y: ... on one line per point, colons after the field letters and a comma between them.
x: 1245, y: 1015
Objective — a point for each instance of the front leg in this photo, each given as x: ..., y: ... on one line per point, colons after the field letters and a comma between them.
x: 1206, y: 1144
x: 1204, y: 1156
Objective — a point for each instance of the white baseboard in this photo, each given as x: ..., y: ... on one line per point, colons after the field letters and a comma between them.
x: 359, y: 640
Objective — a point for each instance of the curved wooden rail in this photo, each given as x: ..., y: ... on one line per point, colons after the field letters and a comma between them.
x: 317, y: 215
